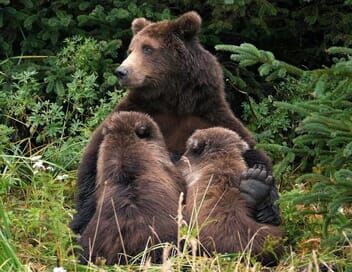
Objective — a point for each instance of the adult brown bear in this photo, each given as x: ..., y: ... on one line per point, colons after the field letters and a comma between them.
x: 171, y: 77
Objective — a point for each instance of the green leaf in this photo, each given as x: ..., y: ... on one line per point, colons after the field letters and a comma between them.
x: 264, y: 69
x: 53, y: 22
x: 283, y: 164
x: 250, y: 49
x: 82, y: 20
x: 281, y: 72
x: 313, y: 17
x: 347, y: 152
x: 10, y: 10
x: 29, y: 21
x: 133, y: 8
x: 84, y: 5
x: 112, y: 80
x: 226, y: 47
x: 271, y: 58
x: 319, y: 89
x: 59, y: 88
x: 122, y: 13
x: 245, y: 63
x: 340, y: 50
x: 28, y: 3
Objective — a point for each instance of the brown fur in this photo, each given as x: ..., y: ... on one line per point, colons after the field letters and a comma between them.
x: 137, y: 181
x: 178, y: 83
x: 178, y: 80
x: 212, y: 167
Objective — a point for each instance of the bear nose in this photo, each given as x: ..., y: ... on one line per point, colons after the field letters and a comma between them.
x: 121, y: 72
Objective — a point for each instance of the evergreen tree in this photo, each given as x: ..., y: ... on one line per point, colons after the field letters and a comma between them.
x: 322, y: 147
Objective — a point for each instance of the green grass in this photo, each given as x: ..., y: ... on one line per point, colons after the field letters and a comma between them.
x: 37, y: 205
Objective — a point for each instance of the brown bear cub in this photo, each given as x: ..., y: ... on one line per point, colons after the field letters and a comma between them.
x: 137, y: 191
x: 212, y: 166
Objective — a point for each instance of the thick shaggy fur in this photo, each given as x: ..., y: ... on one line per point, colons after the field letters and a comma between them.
x: 177, y: 82
x: 137, y: 191
x: 212, y: 167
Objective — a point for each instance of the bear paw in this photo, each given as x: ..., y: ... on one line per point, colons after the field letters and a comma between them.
x: 258, y: 189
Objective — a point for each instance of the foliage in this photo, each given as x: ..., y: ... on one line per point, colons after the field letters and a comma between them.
x: 322, y: 141
x: 39, y: 27
x: 8, y: 259
x: 52, y: 104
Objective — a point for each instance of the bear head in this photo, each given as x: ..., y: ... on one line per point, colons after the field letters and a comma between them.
x: 131, y: 140
x: 166, y: 56
x: 214, y: 142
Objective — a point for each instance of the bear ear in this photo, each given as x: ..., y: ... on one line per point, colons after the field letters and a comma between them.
x: 196, y: 146
x: 138, y: 24
x: 104, y: 131
x: 188, y: 25
x: 243, y: 146
x: 143, y: 131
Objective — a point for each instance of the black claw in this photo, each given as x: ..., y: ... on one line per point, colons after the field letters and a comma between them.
x: 250, y: 171
x: 263, y: 206
x: 269, y: 180
x: 259, y: 166
x: 270, y: 215
x: 260, y: 218
x: 262, y: 175
x: 244, y: 175
x: 263, y: 217
x: 256, y: 172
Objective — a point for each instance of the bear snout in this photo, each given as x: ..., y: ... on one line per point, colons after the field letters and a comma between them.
x: 121, y: 72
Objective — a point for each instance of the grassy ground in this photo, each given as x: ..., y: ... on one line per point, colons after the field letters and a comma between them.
x: 37, y: 205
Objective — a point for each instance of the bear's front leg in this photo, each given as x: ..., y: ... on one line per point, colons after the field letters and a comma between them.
x: 86, y: 184
x: 258, y: 188
x: 86, y: 180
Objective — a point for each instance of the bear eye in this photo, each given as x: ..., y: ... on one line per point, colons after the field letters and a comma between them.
x: 147, y: 49
x: 142, y: 132
x: 198, y: 148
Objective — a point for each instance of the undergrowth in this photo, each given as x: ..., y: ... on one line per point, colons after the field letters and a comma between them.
x: 49, y: 105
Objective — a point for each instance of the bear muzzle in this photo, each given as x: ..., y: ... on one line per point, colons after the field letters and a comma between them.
x: 121, y: 72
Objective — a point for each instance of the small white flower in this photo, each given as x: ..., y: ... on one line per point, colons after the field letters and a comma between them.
x: 35, y: 158
x: 61, y: 177
x: 341, y: 210
x: 50, y: 168
x: 59, y: 269
x: 39, y: 165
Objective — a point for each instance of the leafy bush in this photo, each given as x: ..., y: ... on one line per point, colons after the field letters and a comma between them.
x: 55, y: 102
x: 40, y: 27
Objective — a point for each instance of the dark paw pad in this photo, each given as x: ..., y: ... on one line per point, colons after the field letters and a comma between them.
x: 258, y: 189
x: 256, y: 184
